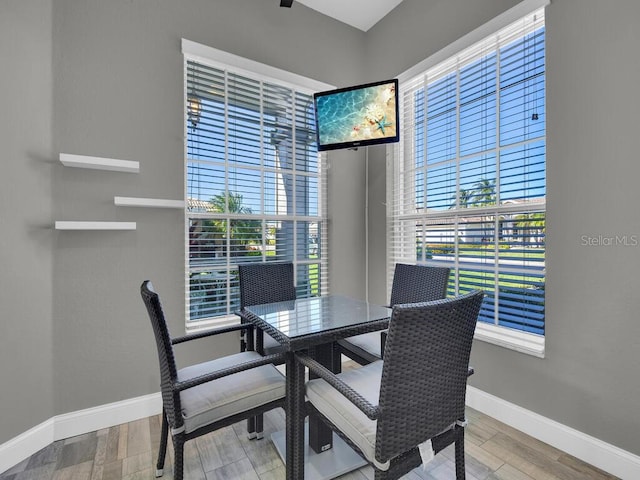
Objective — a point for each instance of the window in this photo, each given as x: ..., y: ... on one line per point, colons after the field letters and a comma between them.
x: 255, y: 184
x: 468, y: 181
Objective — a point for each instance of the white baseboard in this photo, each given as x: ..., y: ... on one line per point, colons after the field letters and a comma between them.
x: 605, y: 456
x: 26, y: 444
x: 76, y: 423
x: 92, y: 419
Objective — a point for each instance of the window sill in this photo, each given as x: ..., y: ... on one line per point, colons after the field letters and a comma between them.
x: 522, y: 342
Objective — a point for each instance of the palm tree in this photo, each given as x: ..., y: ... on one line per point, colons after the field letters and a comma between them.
x: 465, y: 196
x: 485, y: 193
x: 242, y: 233
x: 234, y: 200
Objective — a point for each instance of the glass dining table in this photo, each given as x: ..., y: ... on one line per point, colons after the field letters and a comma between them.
x: 314, y: 325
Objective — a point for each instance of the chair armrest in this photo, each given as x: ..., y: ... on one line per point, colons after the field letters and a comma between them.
x: 241, y: 313
x: 470, y: 372
x: 208, y: 377
x: 208, y: 333
x: 371, y: 411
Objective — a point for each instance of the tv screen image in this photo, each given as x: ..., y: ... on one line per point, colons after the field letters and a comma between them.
x: 357, y: 116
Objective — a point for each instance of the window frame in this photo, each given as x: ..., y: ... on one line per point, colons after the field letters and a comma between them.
x: 524, y: 342
x: 227, y: 62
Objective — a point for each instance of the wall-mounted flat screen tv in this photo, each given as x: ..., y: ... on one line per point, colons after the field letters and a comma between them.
x: 357, y: 116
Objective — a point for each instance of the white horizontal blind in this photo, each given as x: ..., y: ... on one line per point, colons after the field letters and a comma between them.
x: 255, y: 186
x: 467, y: 187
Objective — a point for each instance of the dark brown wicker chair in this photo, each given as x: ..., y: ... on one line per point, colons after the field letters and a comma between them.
x: 265, y: 283
x: 411, y: 284
x: 386, y: 409
x: 201, y: 398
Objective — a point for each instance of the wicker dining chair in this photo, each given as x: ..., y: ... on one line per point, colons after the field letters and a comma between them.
x: 201, y: 398
x: 265, y: 283
x: 411, y: 284
x: 415, y: 396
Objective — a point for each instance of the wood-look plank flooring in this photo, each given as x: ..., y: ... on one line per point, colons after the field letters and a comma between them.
x: 494, y: 451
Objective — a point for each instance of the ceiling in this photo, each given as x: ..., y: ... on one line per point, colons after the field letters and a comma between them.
x: 362, y: 14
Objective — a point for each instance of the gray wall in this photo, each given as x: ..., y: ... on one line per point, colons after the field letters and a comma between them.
x: 118, y: 76
x: 105, y: 78
x: 417, y: 28
x: 25, y: 214
x: 590, y: 378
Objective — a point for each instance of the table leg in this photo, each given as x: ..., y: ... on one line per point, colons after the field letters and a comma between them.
x: 337, y: 358
x: 295, y: 416
x: 320, y: 436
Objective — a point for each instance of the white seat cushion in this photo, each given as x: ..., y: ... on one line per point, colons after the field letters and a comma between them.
x: 344, y: 414
x: 221, y: 398
x: 369, y: 342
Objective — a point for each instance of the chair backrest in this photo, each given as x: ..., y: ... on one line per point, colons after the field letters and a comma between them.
x: 418, y: 283
x: 424, y: 375
x: 168, y: 372
x: 266, y: 283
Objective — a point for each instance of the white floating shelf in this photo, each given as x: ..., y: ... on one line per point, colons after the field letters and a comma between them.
x: 147, y: 202
x: 73, y: 225
x: 99, y: 163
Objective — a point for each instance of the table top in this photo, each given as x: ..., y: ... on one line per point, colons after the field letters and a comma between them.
x: 317, y: 319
